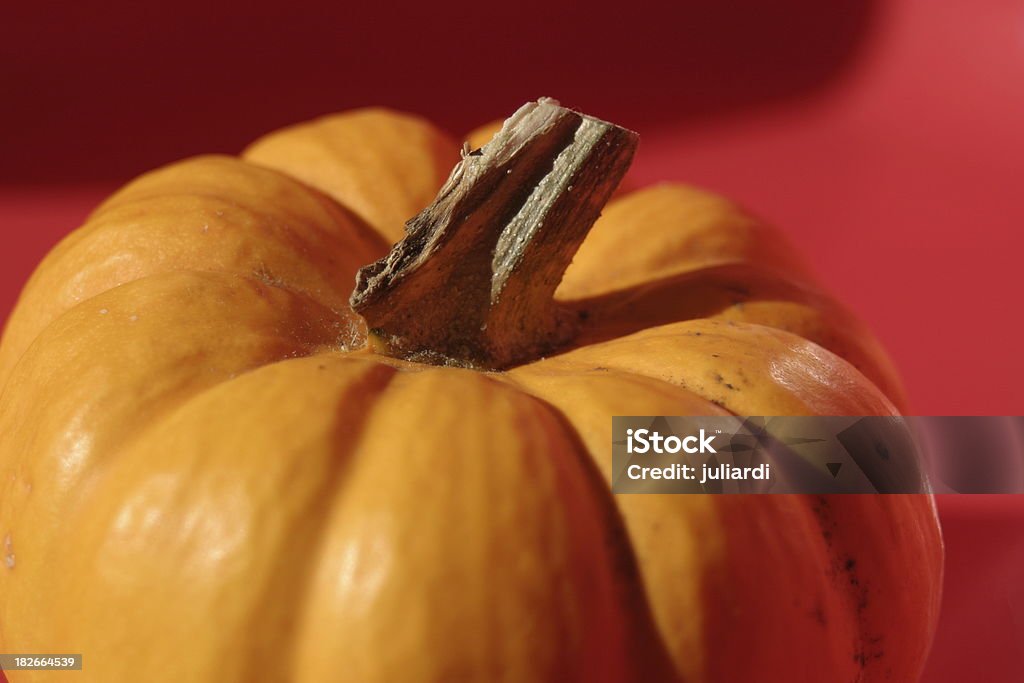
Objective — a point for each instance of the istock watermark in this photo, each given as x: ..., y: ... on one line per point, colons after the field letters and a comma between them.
x: 644, y: 440
x: 817, y: 455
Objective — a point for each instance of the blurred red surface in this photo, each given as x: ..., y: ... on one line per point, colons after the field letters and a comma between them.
x: 885, y: 138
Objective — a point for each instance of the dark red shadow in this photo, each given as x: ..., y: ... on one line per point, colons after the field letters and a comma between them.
x: 90, y: 96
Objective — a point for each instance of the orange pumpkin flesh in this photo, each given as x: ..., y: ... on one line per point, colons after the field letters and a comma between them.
x: 206, y: 476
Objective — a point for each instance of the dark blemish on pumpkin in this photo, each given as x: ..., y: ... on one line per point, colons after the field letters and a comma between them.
x: 849, y: 565
x: 584, y: 314
x: 821, y: 509
x: 715, y: 355
x: 321, y: 367
x: 869, y: 651
x: 721, y: 380
x: 819, y: 615
x: 600, y: 368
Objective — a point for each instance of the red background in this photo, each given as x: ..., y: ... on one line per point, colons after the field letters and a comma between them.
x: 887, y: 138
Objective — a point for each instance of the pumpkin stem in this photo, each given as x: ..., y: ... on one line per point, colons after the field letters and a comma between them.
x: 473, y: 281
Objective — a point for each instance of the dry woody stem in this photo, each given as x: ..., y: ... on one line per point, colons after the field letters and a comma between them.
x: 473, y: 281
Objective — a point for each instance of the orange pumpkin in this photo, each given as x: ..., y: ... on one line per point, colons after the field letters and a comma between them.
x: 207, y: 474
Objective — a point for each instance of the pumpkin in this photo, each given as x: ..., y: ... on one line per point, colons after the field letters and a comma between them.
x: 215, y: 468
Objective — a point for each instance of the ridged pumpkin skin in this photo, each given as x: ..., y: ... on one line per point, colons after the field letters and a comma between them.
x: 206, y: 477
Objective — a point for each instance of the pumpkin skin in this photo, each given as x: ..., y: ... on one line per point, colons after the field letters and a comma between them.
x: 206, y: 475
